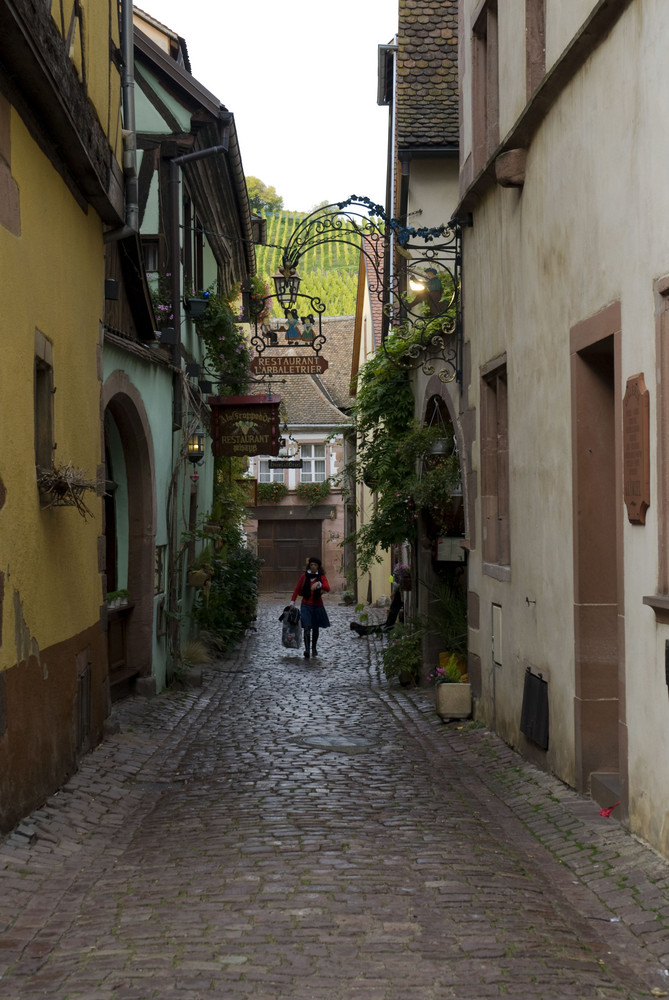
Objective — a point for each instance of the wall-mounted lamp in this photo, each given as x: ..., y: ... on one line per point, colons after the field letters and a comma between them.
x: 196, y: 446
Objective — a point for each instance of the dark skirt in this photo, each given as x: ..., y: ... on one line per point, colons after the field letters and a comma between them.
x: 314, y: 616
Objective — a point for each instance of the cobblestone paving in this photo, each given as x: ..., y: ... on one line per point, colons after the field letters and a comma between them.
x: 301, y: 830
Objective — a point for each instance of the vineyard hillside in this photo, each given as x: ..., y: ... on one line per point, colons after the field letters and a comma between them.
x: 329, y: 272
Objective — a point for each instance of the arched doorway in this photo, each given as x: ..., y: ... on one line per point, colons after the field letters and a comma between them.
x: 130, y: 530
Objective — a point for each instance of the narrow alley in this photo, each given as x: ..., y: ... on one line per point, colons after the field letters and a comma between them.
x: 302, y: 830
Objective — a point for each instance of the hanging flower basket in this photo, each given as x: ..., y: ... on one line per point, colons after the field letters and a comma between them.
x: 198, y: 577
x: 65, y: 486
x: 195, y: 307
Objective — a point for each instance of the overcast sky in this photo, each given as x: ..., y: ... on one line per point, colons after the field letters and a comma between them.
x: 300, y: 77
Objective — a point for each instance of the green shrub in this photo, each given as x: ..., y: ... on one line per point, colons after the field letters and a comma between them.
x: 402, y: 656
x: 230, y: 606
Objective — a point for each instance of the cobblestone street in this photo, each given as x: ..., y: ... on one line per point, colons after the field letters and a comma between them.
x: 302, y: 830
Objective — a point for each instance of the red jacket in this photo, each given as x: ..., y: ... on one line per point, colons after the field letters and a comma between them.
x: 316, y: 595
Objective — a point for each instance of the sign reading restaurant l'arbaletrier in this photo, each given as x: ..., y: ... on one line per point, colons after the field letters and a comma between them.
x: 245, y: 425
x: 312, y: 364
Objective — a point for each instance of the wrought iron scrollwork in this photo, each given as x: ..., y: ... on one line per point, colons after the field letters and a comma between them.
x: 414, y: 273
x: 298, y: 331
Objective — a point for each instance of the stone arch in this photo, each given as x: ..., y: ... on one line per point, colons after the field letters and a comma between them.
x: 122, y: 401
x: 435, y: 388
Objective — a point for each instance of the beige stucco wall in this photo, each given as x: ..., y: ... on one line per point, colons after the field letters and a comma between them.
x: 433, y: 192
x: 587, y: 229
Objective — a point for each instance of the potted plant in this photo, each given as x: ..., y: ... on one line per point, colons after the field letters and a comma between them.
x: 402, y: 576
x: 196, y: 303
x: 402, y: 657
x: 201, y: 569
x: 117, y: 598
x: 452, y: 691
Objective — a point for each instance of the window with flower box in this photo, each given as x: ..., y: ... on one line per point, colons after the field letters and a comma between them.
x: 313, y: 463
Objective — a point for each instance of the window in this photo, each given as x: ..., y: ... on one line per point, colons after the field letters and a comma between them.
x: 495, y: 471
x: 485, y: 96
x: 43, y: 389
x: 150, y: 253
x: 313, y: 457
x: 267, y: 475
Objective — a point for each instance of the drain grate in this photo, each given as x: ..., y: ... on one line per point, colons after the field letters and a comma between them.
x: 338, y: 743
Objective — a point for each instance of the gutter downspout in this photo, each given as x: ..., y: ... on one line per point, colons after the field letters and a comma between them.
x: 131, y: 226
x: 388, y: 265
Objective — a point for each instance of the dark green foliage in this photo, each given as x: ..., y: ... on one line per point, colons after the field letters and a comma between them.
x: 227, y: 351
x: 230, y: 606
x: 402, y: 657
x: 447, y: 616
x: 391, y: 457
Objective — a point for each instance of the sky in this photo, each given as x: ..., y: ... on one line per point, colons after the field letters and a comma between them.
x: 300, y: 77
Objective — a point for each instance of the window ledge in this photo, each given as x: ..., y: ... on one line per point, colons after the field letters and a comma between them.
x: 497, y: 571
x: 660, y: 605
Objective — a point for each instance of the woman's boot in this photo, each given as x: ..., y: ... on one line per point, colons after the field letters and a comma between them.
x: 313, y: 642
x: 307, y: 642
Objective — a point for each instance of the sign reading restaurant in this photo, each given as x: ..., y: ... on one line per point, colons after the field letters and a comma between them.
x: 289, y: 365
x: 245, y: 425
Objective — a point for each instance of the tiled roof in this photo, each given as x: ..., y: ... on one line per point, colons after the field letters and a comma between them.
x: 307, y: 404
x: 427, y: 74
x: 338, y: 350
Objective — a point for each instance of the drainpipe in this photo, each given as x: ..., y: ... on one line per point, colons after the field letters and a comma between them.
x: 129, y: 129
x: 175, y: 261
x: 388, y: 267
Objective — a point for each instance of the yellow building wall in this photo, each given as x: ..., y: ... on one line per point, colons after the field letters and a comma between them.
x: 53, y: 282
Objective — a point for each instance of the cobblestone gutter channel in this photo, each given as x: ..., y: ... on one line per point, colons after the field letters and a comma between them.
x: 303, y: 830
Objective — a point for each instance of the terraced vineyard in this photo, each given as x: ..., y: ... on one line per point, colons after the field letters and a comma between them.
x: 329, y: 272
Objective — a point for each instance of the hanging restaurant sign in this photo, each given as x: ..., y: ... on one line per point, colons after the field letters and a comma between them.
x: 245, y: 425
x: 287, y: 365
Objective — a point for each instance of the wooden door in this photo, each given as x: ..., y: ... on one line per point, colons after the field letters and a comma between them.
x: 284, y: 547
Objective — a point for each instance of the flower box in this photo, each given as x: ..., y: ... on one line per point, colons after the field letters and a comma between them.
x: 195, y: 307
x: 453, y: 701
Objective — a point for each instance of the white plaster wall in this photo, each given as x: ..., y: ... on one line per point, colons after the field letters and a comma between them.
x: 512, y: 72
x: 563, y: 20
x: 589, y: 228
x: 433, y: 192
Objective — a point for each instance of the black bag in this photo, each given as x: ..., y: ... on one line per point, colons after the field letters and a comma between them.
x: 291, y: 633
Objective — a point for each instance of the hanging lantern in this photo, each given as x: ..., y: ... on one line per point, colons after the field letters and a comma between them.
x: 286, y: 283
x: 196, y: 446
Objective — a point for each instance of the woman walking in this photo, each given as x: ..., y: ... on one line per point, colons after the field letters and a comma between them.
x: 311, y: 586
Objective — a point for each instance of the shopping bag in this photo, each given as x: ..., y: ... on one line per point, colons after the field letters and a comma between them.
x: 291, y: 632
